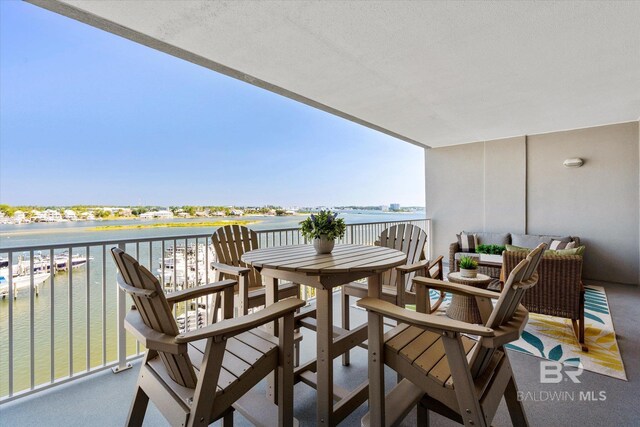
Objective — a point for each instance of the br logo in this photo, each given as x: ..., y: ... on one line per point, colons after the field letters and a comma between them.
x: 552, y: 372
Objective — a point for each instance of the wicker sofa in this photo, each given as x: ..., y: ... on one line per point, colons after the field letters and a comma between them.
x: 559, y: 292
x: 523, y: 240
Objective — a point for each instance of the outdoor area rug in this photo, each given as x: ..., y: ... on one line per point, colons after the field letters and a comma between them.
x: 552, y: 338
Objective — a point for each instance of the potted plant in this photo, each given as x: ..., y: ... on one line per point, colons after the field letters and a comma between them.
x: 490, y: 249
x: 490, y: 253
x: 323, y: 228
x: 468, y: 267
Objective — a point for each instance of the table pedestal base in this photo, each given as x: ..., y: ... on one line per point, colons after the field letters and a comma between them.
x: 464, y: 309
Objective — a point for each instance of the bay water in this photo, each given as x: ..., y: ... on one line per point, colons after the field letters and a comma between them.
x: 81, y: 303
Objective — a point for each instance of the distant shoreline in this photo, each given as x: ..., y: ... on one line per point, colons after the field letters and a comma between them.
x: 173, y: 225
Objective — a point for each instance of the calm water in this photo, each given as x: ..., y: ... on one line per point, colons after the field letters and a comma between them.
x: 83, y: 231
x: 62, y: 300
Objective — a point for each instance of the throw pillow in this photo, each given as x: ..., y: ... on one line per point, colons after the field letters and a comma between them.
x: 558, y: 244
x: 513, y: 248
x: 572, y: 251
x: 467, y: 242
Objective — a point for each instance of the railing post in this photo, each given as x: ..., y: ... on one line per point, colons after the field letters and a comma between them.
x: 10, y: 295
x: 429, y: 239
x: 122, y: 333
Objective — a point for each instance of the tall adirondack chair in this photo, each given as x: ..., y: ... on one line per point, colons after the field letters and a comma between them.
x: 443, y: 370
x: 230, y: 243
x: 397, y: 285
x: 200, y: 376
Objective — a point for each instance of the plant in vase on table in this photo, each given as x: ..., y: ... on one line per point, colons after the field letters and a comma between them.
x: 323, y: 228
x: 468, y: 267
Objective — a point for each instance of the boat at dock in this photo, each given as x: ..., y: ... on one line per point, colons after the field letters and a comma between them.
x: 61, y: 261
x: 20, y: 281
x: 43, y: 263
x: 184, y: 266
x: 35, y: 270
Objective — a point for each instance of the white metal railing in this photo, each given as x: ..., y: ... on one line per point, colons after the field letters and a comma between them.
x: 62, y: 317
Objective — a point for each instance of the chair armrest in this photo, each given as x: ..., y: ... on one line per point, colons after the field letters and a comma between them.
x: 230, y: 269
x: 231, y: 327
x: 437, y: 261
x: 410, y: 268
x: 454, y: 288
x: 150, y: 338
x: 427, y: 321
x: 424, y: 264
x: 453, y: 248
x: 510, y: 331
x: 200, y: 291
x: 140, y: 293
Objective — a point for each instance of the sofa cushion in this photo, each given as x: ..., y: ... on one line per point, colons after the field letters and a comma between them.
x: 532, y: 240
x: 467, y: 242
x: 493, y: 238
x: 459, y: 255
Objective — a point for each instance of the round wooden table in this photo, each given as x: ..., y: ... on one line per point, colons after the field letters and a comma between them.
x: 347, y: 263
x: 462, y: 307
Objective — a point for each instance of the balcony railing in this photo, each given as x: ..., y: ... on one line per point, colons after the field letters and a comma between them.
x: 62, y: 317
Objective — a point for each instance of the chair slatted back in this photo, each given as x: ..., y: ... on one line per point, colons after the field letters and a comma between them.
x: 230, y: 243
x: 522, y: 277
x: 409, y: 239
x: 155, y: 313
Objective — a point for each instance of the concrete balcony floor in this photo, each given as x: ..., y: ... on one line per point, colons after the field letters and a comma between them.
x: 104, y: 398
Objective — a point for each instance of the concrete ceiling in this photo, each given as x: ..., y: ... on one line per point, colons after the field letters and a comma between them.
x: 431, y: 73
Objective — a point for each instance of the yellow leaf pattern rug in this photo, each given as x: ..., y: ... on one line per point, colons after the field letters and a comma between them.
x: 552, y: 337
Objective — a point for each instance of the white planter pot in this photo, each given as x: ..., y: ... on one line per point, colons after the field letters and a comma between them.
x: 323, y: 245
x: 491, y: 258
x: 469, y: 274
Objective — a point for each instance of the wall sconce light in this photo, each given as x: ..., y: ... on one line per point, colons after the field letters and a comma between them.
x: 573, y: 163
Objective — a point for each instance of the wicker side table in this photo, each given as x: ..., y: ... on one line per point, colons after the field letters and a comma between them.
x: 465, y: 308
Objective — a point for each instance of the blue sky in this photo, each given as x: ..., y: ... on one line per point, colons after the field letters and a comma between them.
x: 88, y: 117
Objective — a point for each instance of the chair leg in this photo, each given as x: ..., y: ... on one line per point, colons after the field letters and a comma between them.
x: 284, y: 372
x: 296, y: 344
x: 581, y: 314
x: 422, y: 414
x: 227, y: 420
x: 346, y: 359
x: 578, y: 329
x: 514, y: 405
x: 138, y: 408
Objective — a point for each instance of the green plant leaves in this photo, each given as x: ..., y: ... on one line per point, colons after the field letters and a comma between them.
x: 490, y: 249
x: 323, y: 223
x: 468, y: 263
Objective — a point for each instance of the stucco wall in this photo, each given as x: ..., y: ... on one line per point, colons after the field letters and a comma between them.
x: 520, y: 185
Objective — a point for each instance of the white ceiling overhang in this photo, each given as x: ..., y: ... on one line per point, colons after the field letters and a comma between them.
x: 431, y: 73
